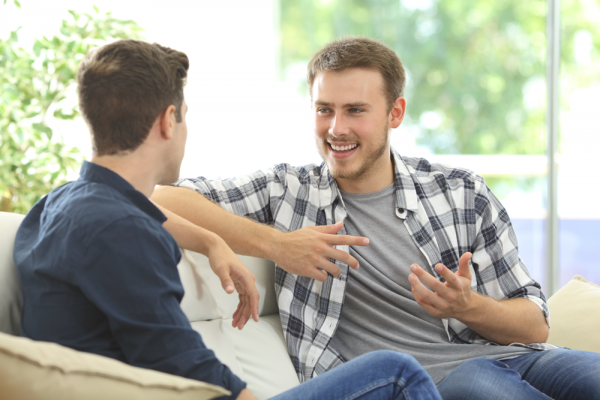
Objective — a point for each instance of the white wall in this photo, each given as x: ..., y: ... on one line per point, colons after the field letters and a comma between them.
x: 241, y: 118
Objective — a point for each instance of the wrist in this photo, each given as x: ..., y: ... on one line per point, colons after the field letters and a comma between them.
x: 477, y: 306
x: 207, y: 241
x: 269, y: 244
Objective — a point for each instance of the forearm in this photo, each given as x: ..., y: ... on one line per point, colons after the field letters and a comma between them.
x: 506, y: 321
x: 188, y: 235
x: 187, y: 210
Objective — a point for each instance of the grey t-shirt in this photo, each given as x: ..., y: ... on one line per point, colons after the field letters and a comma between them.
x: 379, y: 309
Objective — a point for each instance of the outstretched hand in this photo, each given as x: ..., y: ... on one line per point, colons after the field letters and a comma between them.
x: 235, y: 276
x: 307, y: 251
x: 451, y: 299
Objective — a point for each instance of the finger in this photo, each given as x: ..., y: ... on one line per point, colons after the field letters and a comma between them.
x: 247, y: 312
x: 330, y: 229
x: 449, y: 276
x: 327, y: 266
x: 253, y: 297
x: 242, y: 317
x: 226, y: 282
x: 425, y: 305
x: 343, y: 257
x: 342, y: 240
x: 254, y: 301
x: 430, y: 297
x: 431, y: 281
x: 237, y: 313
x: 318, y: 274
x: 463, y: 265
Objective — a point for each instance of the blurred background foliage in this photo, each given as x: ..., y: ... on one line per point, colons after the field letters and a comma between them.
x: 476, y: 69
x: 34, y: 83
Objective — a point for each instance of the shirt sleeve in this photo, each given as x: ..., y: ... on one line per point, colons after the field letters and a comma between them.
x: 132, y: 278
x: 248, y: 196
x: 501, y: 273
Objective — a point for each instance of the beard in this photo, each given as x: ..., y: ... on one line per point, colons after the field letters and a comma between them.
x: 366, y: 166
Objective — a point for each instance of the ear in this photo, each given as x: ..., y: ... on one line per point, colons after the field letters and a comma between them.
x: 397, y: 112
x: 167, y: 123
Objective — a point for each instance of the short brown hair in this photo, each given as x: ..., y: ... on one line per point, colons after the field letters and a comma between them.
x: 123, y: 87
x: 360, y: 52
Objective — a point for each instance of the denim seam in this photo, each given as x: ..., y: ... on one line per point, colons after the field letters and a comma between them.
x: 401, y: 383
x: 523, y: 380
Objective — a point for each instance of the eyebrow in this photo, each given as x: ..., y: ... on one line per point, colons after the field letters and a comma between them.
x: 347, y: 105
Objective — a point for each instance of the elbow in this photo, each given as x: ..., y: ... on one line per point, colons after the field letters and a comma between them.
x: 543, y: 333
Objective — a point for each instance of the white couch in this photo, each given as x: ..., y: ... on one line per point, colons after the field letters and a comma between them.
x: 257, y: 354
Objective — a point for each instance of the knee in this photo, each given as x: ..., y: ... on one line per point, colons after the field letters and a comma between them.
x: 401, y: 364
x: 394, y: 358
x: 473, y: 379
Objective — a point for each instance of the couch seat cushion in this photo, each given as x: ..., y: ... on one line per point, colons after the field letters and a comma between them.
x: 257, y: 354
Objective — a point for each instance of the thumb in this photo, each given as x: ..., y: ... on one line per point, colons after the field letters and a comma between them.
x: 330, y: 229
x: 463, y: 265
x: 226, y: 281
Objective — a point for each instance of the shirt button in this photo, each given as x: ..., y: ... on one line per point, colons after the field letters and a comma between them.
x: 419, y: 238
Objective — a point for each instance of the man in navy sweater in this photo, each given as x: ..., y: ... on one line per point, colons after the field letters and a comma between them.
x: 98, y: 267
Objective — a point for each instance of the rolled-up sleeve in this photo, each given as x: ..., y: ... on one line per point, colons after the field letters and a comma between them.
x: 500, y: 271
x: 248, y: 196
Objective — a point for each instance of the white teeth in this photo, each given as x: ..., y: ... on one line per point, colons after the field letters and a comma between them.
x: 343, y: 148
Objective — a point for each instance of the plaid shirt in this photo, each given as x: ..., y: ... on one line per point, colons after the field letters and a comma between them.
x: 447, y: 212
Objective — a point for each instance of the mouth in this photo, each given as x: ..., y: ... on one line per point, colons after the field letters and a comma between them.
x: 342, y: 150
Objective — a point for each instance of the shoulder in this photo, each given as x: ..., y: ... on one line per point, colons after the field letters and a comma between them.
x: 278, y: 174
x: 304, y: 173
x: 455, y: 177
x: 88, y: 208
x: 422, y: 167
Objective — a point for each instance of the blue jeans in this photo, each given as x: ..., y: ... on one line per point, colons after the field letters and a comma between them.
x: 552, y: 374
x: 378, y: 375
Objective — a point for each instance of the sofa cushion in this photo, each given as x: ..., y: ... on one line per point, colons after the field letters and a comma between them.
x: 257, y: 354
x: 575, y: 315
x: 39, y: 370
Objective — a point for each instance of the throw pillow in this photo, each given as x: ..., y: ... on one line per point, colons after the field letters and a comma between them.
x: 39, y: 370
x: 575, y: 316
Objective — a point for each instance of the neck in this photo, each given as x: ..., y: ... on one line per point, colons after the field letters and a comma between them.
x: 134, y: 169
x: 377, y: 178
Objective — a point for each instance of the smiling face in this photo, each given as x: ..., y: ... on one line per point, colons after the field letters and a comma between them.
x: 352, y: 128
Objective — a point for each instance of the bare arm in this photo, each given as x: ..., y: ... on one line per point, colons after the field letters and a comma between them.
x: 302, y: 252
x: 503, y: 322
x: 223, y: 261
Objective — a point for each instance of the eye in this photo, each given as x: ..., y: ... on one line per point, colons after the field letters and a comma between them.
x: 323, y: 110
x: 355, y: 110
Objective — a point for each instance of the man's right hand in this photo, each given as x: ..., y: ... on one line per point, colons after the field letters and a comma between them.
x: 307, y: 251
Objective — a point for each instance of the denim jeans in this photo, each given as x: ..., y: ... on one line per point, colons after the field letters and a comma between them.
x: 552, y: 374
x: 378, y: 375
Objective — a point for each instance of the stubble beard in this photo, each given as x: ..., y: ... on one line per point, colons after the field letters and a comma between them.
x: 366, y: 168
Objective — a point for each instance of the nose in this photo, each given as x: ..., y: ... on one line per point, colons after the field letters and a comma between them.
x: 339, y: 126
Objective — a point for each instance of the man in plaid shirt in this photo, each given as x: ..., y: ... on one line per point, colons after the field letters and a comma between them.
x: 440, y: 277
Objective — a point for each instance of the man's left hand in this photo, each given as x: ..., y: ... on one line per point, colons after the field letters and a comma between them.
x: 451, y: 299
x: 234, y: 275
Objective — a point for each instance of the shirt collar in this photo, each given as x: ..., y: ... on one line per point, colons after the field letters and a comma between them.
x: 406, y: 194
x: 98, y: 174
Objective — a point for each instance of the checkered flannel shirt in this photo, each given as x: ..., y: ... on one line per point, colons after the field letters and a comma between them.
x: 447, y: 211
